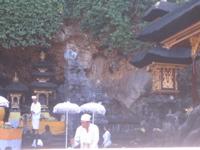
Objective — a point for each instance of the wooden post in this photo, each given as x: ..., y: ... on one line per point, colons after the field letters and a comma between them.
x: 195, y: 96
x: 195, y: 42
x: 66, y: 128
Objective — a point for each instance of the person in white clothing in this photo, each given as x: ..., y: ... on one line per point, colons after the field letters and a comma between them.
x: 106, y: 138
x: 87, y: 134
x: 35, y: 115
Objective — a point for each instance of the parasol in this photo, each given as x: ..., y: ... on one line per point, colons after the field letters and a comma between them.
x: 4, y: 102
x: 66, y: 108
x: 94, y: 108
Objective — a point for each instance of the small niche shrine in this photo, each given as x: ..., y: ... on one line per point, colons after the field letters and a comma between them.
x: 16, y: 93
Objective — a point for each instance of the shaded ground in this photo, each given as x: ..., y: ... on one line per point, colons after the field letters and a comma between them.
x: 56, y: 141
x: 121, y: 141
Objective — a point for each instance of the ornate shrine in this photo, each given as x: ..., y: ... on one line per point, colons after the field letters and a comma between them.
x: 171, y: 32
x: 164, y: 77
x: 42, y: 85
x: 16, y: 93
x: 164, y: 66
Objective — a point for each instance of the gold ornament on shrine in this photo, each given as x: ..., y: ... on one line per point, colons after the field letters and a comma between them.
x: 165, y: 77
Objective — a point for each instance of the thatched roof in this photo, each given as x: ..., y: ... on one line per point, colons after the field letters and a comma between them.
x: 158, y: 10
x: 16, y: 87
x: 162, y: 55
x: 42, y: 74
x: 172, y: 23
x: 41, y: 85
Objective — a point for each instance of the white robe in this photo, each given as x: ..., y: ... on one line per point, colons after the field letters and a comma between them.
x: 90, y: 138
x: 36, y: 109
x: 107, y: 139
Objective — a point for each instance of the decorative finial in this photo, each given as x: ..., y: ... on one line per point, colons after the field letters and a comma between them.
x: 42, y: 55
x: 158, y: 3
x: 15, y: 78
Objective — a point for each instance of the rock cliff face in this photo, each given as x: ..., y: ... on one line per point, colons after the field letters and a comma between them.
x: 96, y: 75
x: 119, y: 79
x: 131, y: 107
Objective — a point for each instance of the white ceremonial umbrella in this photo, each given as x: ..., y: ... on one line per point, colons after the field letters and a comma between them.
x: 94, y: 108
x: 66, y: 107
x: 4, y: 102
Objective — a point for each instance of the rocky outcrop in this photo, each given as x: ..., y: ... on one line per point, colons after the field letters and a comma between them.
x: 120, y: 80
x: 129, y: 87
x: 190, y: 130
x: 151, y: 119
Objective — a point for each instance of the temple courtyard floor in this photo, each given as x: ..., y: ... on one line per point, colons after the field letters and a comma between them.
x: 152, y: 148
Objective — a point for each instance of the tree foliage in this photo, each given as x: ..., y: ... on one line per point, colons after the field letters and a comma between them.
x: 114, y: 23
x: 25, y: 23
x: 109, y: 21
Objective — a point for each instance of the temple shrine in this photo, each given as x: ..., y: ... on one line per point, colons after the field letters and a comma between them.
x: 42, y: 85
x: 177, y: 43
x: 45, y: 90
x: 16, y: 94
x: 19, y: 97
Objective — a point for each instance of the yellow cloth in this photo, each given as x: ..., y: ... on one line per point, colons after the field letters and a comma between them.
x: 56, y: 127
x: 2, y: 113
x: 14, y: 116
x: 10, y: 134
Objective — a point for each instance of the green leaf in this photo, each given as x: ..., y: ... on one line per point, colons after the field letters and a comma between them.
x: 23, y: 21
